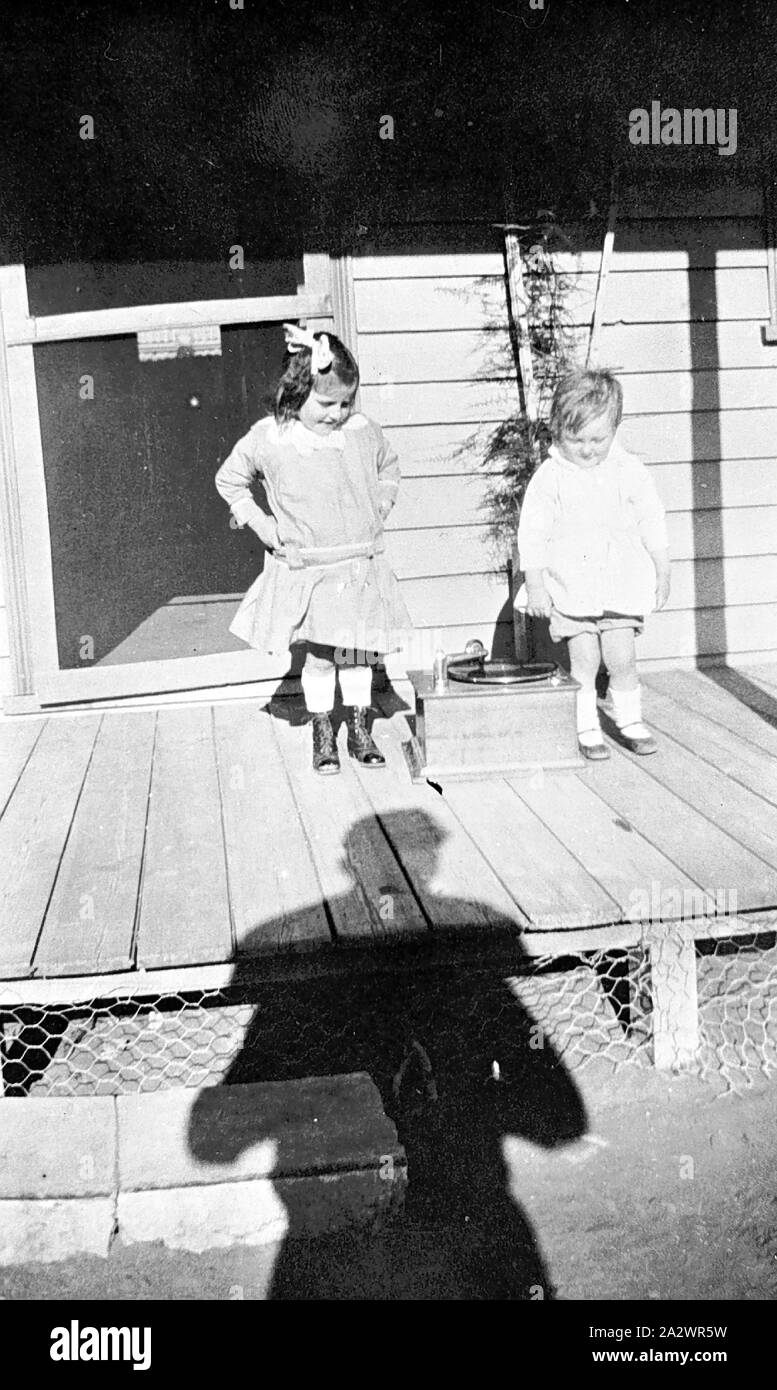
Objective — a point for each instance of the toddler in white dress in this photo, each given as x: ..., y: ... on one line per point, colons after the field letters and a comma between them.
x: 593, y: 547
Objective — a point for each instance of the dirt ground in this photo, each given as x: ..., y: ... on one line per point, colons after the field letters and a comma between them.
x: 668, y: 1194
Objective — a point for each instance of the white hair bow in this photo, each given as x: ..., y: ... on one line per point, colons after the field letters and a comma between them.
x: 321, y: 352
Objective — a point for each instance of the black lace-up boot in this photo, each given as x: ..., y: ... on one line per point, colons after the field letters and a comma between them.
x: 326, y: 759
x: 361, y: 744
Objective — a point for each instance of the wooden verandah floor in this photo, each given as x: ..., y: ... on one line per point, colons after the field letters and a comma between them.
x: 156, y: 839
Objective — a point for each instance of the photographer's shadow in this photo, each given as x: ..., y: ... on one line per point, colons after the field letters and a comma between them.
x: 460, y: 1065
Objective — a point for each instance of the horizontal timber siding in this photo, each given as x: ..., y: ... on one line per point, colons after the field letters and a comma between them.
x: 682, y: 315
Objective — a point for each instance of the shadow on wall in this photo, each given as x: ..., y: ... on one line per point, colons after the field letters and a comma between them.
x: 452, y: 1126
x: 706, y: 443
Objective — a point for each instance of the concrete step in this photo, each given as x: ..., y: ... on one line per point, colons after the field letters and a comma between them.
x: 253, y: 1164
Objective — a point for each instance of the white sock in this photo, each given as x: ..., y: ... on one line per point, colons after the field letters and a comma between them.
x: 318, y: 687
x: 627, y: 712
x: 356, y: 685
x: 588, y: 727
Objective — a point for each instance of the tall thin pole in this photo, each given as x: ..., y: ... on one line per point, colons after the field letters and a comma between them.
x: 604, y: 270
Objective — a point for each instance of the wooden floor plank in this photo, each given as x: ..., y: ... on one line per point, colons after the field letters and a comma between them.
x: 365, y: 889
x: 615, y: 855
x: 449, y: 870
x: 750, y: 693
x: 33, y: 832
x: 90, y: 921
x: 710, y: 699
x: 713, y: 743
x: 389, y: 857
x: 551, y: 887
x: 742, y: 815
x: 701, y: 850
x: 17, y: 740
x: 184, y: 905
x: 274, y: 889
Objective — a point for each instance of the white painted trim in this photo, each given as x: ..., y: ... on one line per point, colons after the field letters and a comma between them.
x: 140, y: 318
x: 135, y: 984
x: 34, y: 605
x: 261, y: 690
x: 317, y: 283
x: 13, y: 558
x: 157, y: 677
x: 345, y: 322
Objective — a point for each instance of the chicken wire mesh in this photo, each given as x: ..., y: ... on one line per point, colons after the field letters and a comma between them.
x: 414, y: 1031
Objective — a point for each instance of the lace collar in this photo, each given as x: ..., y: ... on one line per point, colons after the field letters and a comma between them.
x: 305, y: 441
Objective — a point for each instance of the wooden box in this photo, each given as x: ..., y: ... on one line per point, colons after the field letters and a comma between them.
x: 469, y: 731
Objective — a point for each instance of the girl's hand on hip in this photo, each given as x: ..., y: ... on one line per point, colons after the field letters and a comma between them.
x: 274, y: 544
x: 538, y: 602
x: 267, y: 531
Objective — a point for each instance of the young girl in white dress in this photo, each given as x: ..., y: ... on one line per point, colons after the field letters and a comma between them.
x: 331, y: 479
x: 593, y: 546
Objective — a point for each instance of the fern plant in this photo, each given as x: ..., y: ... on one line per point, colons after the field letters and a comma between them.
x: 519, y: 443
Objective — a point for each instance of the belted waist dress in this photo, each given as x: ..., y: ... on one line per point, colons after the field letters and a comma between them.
x: 330, y: 495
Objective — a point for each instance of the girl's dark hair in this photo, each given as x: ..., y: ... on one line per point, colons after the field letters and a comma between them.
x: 298, y: 380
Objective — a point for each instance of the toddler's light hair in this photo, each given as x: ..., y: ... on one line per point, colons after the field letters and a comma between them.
x: 580, y: 396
